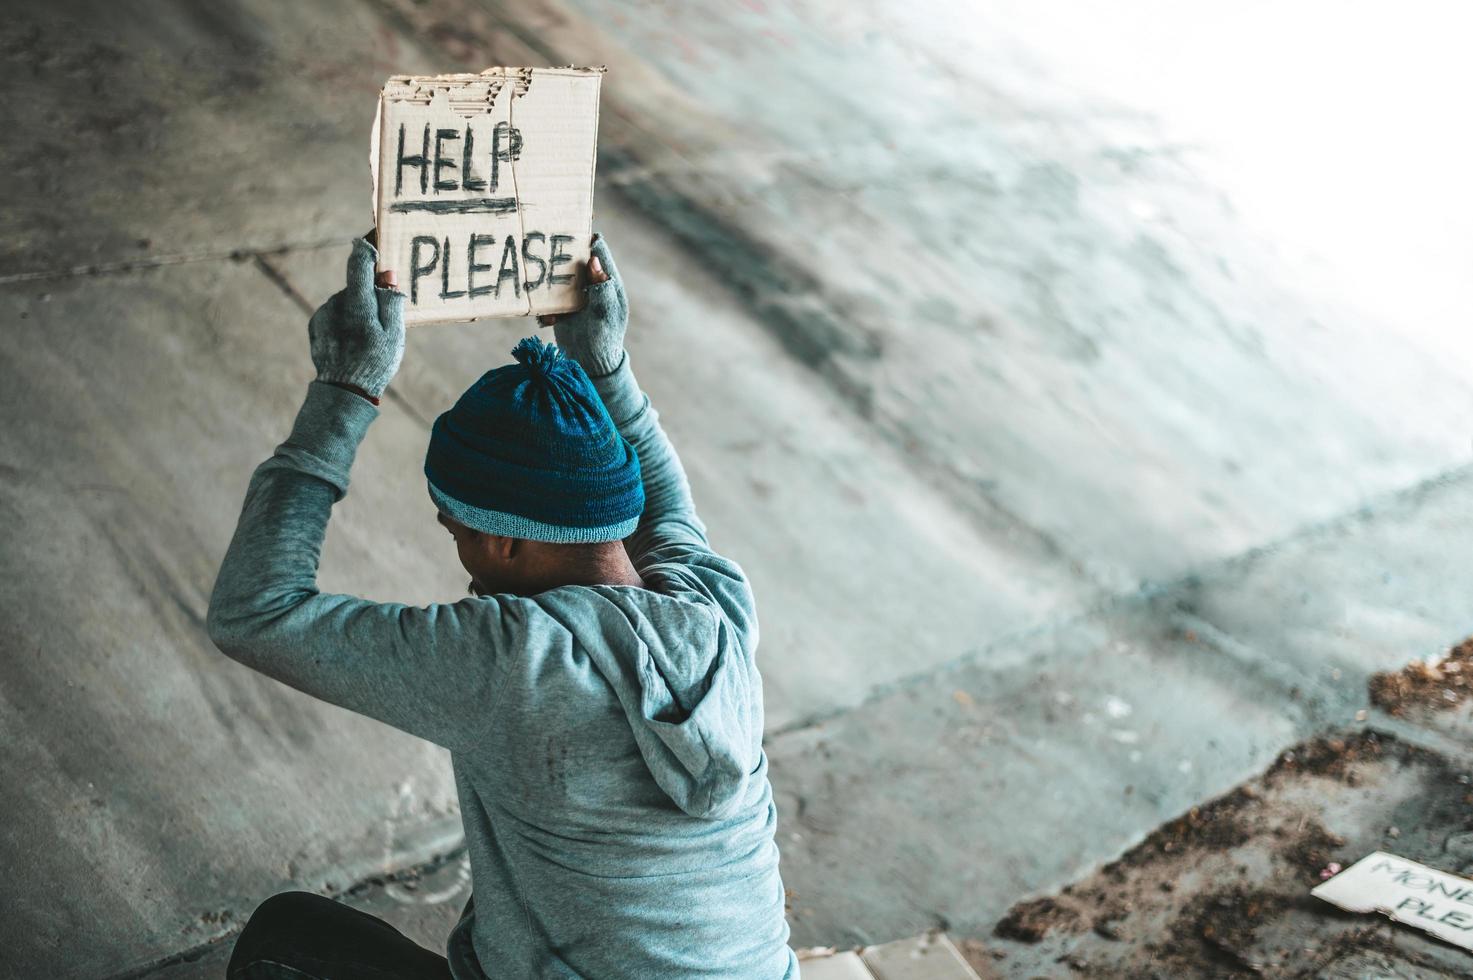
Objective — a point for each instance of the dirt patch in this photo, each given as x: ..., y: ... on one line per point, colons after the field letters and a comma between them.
x: 982, y: 958
x: 1214, y: 826
x: 1311, y: 849
x: 1209, y: 893
x: 1420, y: 685
x: 1219, y: 928
x: 1332, y: 757
x: 1030, y: 921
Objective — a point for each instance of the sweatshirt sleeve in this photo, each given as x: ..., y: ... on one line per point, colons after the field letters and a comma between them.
x: 433, y: 671
x: 669, y: 530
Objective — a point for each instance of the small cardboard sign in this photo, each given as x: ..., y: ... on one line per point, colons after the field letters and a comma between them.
x: 1431, y: 900
x: 483, y: 189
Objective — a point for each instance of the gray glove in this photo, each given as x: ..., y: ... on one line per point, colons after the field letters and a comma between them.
x: 594, y: 336
x: 357, y: 336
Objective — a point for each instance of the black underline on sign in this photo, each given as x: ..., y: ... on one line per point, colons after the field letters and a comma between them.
x: 475, y: 205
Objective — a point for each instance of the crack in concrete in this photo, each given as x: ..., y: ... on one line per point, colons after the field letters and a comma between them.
x: 1151, y: 592
x: 200, y: 950
x: 161, y: 261
x: 1415, y: 733
x: 279, y: 278
x: 175, y: 959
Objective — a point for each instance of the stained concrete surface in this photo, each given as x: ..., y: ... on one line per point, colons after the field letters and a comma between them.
x: 160, y: 771
x: 1224, y: 890
x: 1033, y: 762
x: 1074, y: 483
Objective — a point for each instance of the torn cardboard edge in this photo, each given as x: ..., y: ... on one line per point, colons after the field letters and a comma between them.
x: 1434, y: 901
x: 483, y: 189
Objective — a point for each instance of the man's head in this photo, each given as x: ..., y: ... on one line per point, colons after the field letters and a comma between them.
x: 518, y: 566
x: 531, y: 477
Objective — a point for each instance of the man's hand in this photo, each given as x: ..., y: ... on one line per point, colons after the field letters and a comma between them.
x: 357, y: 336
x: 594, y: 336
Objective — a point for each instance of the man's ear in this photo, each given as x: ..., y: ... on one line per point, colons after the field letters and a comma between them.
x: 505, y: 548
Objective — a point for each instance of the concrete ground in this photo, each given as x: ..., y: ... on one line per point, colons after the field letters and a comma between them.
x: 1087, y: 394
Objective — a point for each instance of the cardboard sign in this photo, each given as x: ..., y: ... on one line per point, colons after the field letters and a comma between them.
x: 1433, y: 901
x: 483, y: 189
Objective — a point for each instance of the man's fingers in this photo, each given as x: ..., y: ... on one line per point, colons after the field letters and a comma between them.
x: 388, y: 279
x: 360, y: 268
x: 599, y: 249
x: 596, y: 271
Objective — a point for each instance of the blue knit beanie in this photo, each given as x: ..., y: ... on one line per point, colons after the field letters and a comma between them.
x: 531, y: 452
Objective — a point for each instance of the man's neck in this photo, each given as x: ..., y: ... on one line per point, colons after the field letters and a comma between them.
x: 607, y: 566
x: 615, y: 568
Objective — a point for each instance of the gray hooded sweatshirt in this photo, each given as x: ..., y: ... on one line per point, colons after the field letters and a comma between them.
x: 606, y: 740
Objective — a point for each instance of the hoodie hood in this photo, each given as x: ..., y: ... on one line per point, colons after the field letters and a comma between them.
x: 689, y: 688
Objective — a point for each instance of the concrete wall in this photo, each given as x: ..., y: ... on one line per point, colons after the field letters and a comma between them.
x: 1016, y: 401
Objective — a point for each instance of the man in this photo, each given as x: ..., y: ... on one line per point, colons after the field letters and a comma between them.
x: 597, y: 692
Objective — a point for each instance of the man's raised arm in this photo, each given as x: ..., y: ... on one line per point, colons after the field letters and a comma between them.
x: 424, y: 670
x: 594, y: 337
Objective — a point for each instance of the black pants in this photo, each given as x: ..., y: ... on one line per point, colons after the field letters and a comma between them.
x: 297, y: 936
